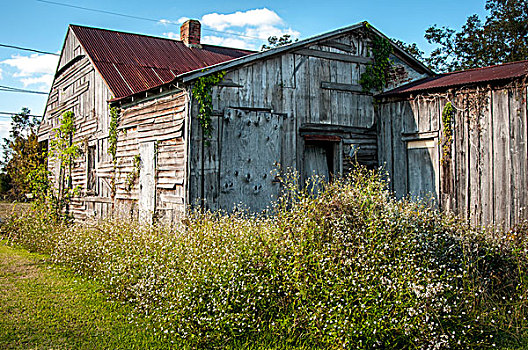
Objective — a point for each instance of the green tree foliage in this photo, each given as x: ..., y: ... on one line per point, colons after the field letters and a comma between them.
x: 411, y: 49
x: 501, y: 38
x: 22, y: 154
x: 274, y: 42
x: 65, y: 150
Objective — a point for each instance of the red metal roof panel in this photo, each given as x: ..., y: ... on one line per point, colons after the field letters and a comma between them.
x: 504, y: 71
x: 131, y: 63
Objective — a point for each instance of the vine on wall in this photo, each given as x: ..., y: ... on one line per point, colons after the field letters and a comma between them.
x: 112, y: 133
x: 376, y: 76
x: 133, y: 176
x: 202, y: 92
x: 447, y: 121
x: 112, y: 144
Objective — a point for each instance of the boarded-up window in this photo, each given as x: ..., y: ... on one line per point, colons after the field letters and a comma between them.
x: 91, y: 182
x: 422, y: 160
x: 250, y: 149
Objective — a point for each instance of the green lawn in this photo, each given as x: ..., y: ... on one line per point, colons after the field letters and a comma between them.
x: 46, y: 307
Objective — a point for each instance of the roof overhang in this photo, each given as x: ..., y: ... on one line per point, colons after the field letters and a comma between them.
x: 192, y: 75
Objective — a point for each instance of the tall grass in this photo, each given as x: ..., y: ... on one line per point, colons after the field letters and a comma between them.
x: 349, y: 268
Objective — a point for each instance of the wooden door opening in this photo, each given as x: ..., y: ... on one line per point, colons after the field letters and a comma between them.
x: 322, y: 160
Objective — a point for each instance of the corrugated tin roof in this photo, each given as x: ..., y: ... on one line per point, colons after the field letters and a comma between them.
x: 500, y: 72
x: 131, y: 63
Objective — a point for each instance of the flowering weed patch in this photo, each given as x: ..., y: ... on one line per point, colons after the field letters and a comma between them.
x: 349, y: 268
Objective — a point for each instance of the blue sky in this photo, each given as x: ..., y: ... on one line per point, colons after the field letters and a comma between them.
x: 40, y: 25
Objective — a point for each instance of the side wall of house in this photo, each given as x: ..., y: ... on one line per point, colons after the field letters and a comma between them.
x: 484, y: 174
x: 79, y: 88
x: 306, y: 103
x: 151, y: 158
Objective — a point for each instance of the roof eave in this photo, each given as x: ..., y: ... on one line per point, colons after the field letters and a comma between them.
x: 192, y: 75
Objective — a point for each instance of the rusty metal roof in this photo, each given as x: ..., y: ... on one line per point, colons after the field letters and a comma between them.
x: 131, y: 63
x: 502, y: 72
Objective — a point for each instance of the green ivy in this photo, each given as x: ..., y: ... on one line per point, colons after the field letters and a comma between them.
x: 132, y: 176
x: 112, y: 144
x: 202, y: 92
x: 376, y: 75
x: 112, y: 133
x: 448, y: 115
x: 66, y: 151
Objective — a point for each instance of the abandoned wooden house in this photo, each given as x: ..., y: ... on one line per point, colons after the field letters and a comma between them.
x: 471, y: 157
x: 300, y: 106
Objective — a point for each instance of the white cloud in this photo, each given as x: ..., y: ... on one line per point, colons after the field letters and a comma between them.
x: 0, y: 73
x: 46, y: 80
x: 239, y: 43
x: 265, y: 31
x: 172, y: 35
x: 36, y: 69
x: 181, y: 20
x: 165, y: 21
x: 255, y: 18
x: 28, y: 66
x: 255, y: 26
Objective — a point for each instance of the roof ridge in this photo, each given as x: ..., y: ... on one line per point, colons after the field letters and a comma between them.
x: 156, y: 37
x: 123, y: 32
x: 482, y: 68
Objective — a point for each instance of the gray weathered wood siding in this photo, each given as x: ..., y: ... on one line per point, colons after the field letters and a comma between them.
x: 159, y: 122
x: 487, y: 176
x: 79, y: 88
x: 315, y: 89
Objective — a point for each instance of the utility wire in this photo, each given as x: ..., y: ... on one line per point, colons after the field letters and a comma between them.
x: 27, y: 49
x: 138, y: 17
x: 12, y: 89
x: 6, y: 114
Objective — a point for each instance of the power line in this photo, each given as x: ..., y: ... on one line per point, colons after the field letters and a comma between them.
x: 12, y: 89
x: 27, y: 49
x: 6, y: 114
x: 139, y: 17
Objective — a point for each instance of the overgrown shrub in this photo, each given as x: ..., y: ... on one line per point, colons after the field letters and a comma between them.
x: 349, y: 268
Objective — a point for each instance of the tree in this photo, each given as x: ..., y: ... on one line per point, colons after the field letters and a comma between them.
x: 274, y: 42
x: 503, y: 37
x: 411, y: 49
x: 22, y: 154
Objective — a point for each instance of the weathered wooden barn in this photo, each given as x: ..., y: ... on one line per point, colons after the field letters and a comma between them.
x: 97, y: 66
x: 474, y: 162
x: 300, y: 106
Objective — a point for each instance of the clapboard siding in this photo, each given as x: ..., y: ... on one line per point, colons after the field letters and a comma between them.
x: 486, y: 178
x: 78, y: 87
x: 160, y: 121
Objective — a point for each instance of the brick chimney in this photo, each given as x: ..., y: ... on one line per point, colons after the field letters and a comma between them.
x: 190, y: 32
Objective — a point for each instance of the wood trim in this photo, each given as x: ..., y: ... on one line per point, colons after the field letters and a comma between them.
x: 427, y: 135
x: 343, y: 87
x: 332, y: 138
x: 334, y: 56
x: 340, y: 46
x: 229, y: 83
x: 252, y: 109
x: 97, y: 199
x: 427, y: 143
x: 333, y: 128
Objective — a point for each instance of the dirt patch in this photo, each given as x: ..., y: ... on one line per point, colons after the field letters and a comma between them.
x: 17, y: 267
